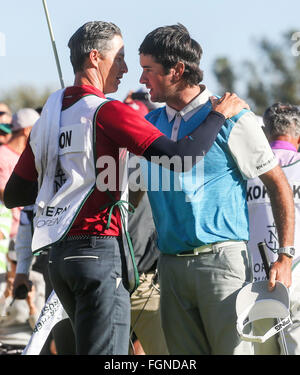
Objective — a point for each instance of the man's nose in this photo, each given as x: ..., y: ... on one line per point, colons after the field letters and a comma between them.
x: 125, y: 68
x: 142, y: 78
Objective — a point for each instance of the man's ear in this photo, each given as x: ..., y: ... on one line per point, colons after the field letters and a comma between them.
x: 93, y: 57
x: 26, y: 131
x: 178, y: 71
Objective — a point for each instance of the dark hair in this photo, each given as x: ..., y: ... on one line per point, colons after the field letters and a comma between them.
x: 282, y: 119
x: 170, y: 44
x: 92, y: 35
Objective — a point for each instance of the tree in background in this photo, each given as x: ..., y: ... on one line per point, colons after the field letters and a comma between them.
x: 25, y: 97
x: 274, y: 76
x: 223, y: 70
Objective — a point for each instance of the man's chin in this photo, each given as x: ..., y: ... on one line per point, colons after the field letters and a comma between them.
x: 112, y: 89
x: 155, y: 99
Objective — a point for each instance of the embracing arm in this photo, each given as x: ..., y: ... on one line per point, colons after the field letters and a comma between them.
x: 197, y: 143
x: 194, y: 145
x: 129, y: 130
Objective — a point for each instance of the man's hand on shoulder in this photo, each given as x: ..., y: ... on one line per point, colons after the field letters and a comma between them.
x: 229, y: 105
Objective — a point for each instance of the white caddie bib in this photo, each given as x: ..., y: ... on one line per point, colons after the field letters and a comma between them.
x: 261, y: 222
x: 75, y: 172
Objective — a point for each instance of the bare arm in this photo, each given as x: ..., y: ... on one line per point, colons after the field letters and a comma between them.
x: 282, y: 203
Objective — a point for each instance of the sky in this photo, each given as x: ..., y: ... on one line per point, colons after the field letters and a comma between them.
x: 222, y: 27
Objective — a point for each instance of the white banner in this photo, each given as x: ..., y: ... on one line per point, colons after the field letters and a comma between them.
x: 52, y: 313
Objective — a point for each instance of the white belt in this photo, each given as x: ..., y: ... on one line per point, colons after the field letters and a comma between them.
x: 213, y: 247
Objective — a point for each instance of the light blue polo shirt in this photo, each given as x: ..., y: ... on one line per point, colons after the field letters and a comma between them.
x: 207, y: 204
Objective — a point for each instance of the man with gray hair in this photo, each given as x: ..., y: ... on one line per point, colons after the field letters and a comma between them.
x: 282, y: 126
x: 79, y: 218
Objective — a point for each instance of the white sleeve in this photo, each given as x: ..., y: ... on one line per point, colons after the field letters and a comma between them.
x: 250, y: 147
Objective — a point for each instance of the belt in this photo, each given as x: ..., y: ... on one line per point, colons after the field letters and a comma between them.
x: 209, y: 248
x: 87, y: 237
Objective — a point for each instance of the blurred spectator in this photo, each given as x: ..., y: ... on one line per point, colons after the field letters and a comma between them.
x: 5, y: 227
x: 5, y: 123
x: 10, y: 152
x: 136, y: 104
x: 135, y: 98
x: 17, y: 317
x: 22, y: 123
x: 5, y: 214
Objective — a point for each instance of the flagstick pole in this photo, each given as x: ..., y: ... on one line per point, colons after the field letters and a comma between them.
x: 53, y: 44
